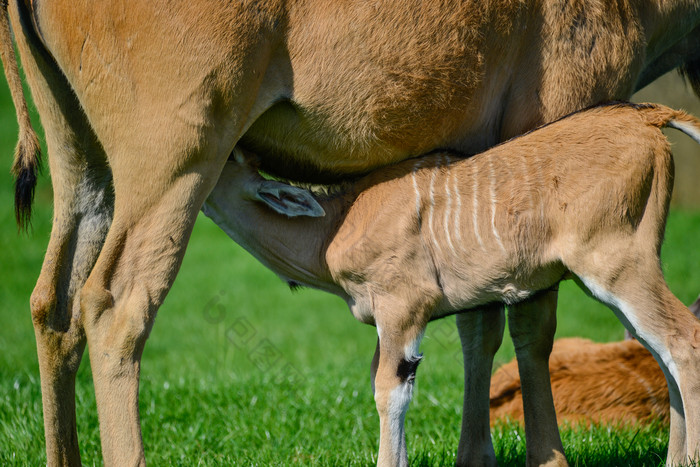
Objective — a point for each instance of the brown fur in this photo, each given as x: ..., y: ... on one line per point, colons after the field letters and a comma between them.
x: 436, y: 235
x: 618, y: 382
x: 142, y: 103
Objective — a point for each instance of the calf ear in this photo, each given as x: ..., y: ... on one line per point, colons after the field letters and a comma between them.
x: 289, y: 200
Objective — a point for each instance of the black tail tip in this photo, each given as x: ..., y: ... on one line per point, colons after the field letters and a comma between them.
x: 690, y: 70
x: 25, y: 184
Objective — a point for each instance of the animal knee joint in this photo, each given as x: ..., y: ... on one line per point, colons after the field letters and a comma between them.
x: 94, y: 300
x: 42, y: 304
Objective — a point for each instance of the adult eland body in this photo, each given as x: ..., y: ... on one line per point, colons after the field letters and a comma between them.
x: 143, y: 102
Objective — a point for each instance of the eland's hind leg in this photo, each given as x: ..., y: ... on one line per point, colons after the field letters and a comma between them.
x: 80, y: 224
x: 82, y: 215
x: 163, y: 169
x: 480, y: 333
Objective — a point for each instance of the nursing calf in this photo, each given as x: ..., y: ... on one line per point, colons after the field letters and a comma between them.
x: 584, y: 198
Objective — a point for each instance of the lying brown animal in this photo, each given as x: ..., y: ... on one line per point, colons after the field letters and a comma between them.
x: 615, y: 382
x: 591, y: 382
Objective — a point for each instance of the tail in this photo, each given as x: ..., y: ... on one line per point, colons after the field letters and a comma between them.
x: 27, y: 159
x: 690, y: 70
x: 661, y: 116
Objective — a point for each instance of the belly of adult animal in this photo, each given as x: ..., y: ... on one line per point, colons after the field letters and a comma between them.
x: 298, y: 144
x: 337, y: 134
x: 370, y: 87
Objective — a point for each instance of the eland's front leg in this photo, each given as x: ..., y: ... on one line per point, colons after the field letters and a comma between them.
x: 134, y: 272
x: 532, y: 324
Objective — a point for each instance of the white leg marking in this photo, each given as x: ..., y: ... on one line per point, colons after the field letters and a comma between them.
x: 625, y: 313
x: 431, y: 211
x: 475, y: 210
x: 400, y: 398
x: 492, y: 191
x: 411, y: 350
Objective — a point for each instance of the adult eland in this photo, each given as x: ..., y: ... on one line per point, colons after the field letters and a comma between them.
x: 143, y: 102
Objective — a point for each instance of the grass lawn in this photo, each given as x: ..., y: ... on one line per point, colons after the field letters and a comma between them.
x: 238, y: 370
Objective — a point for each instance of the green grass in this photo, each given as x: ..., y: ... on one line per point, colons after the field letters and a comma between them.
x: 207, y: 398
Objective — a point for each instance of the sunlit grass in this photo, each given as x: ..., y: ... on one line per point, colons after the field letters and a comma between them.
x: 208, y: 398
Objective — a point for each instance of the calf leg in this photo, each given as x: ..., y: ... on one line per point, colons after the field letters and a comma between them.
x: 641, y: 299
x: 481, y: 333
x: 677, y: 436
x: 532, y: 324
x: 393, y: 389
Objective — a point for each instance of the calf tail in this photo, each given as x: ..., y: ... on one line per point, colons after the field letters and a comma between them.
x: 27, y: 159
x: 687, y: 124
x: 661, y: 116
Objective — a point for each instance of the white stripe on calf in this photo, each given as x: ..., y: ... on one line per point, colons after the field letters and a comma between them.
x: 492, y: 191
x: 458, y: 212
x: 448, y: 208
x: 475, y: 210
x: 416, y: 166
x: 432, y: 209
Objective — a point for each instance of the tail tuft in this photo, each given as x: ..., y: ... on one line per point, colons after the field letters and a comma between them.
x: 25, y: 170
x: 27, y: 154
x: 690, y: 70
